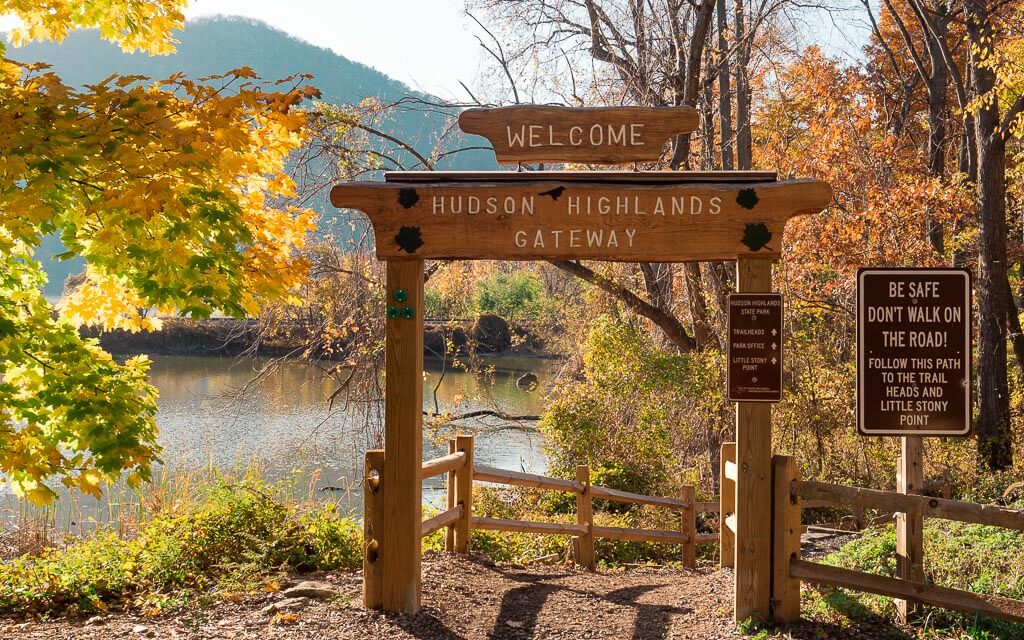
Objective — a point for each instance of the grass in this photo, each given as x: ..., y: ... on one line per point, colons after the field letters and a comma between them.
x: 976, y: 558
x: 203, y: 540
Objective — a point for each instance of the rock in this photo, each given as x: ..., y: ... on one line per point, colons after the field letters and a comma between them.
x: 95, y: 620
x: 491, y: 333
x: 140, y: 629
x: 527, y: 381
x: 311, y: 589
x: 288, y: 604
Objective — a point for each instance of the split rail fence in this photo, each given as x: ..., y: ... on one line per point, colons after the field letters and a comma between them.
x: 788, y: 569
x: 458, y: 517
x: 790, y: 496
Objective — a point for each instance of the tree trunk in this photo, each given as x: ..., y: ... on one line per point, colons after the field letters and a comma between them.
x: 724, y: 86
x: 744, y: 142
x: 993, y: 427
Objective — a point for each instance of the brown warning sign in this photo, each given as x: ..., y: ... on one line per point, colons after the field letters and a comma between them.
x: 755, y: 347
x: 914, y: 352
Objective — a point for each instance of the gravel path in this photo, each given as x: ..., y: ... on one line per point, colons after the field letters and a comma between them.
x: 463, y: 598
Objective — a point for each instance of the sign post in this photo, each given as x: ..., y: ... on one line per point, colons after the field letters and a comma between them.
x: 913, y: 379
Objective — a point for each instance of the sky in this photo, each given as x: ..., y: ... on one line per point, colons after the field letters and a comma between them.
x: 426, y: 44
x: 429, y: 44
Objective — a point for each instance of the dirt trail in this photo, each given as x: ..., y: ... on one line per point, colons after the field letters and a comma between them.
x: 464, y: 598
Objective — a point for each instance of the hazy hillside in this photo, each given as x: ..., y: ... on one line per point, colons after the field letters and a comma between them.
x: 216, y: 45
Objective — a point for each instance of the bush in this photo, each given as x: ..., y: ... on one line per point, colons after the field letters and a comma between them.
x: 228, y: 539
x: 517, y: 295
x: 969, y: 557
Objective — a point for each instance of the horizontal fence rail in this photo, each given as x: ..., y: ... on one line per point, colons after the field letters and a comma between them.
x: 444, y: 464
x: 899, y: 502
x: 518, y: 478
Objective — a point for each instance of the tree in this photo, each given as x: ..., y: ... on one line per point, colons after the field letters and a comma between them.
x: 173, y: 192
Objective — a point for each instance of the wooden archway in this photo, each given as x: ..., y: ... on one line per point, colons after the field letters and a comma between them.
x: 625, y: 216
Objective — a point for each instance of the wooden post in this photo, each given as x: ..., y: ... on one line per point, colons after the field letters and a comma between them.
x: 689, y: 525
x: 373, y: 527
x: 910, y: 526
x: 726, y: 507
x: 464, y: 494
x: 584, y: 543
x: 753, y: 478
x: 403, y: 437
x: 449, y: 531
x: 786, y: 531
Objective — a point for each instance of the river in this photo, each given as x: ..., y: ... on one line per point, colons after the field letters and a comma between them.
x: 285, y: 426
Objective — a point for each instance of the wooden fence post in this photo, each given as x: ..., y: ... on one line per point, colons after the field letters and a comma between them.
x: 373, y: 525
x: 403, y: 436
x: 786, y: 531
x: 910, y: 525
x: 584, y: 543
x: 726, y: 507
x: 449, y: 531
x: 753, y: 478
x: 464, y: 494
x: 689, y: 525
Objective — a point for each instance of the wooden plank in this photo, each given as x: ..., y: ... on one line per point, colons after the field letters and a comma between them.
x: 518, y: 478
x: 523, y: 526
x: 464, y: 493
x: 373, y: 527
x: 449, y: 536
x: 730, y: 470
x: 585, y: 517
x: 688, y: 525
x: 641, y: 535
x: 605, y: 135
x: 624, y: 496
x: 753, y: 481
x: 606, y: 177
x: 890, y: 501
x: 972, y: 603
x: 707, y: 538
x: 403, y: 438
x: 910, y: 523
x: 727, y: 506
x: 557, y: 220
x: 709, y: 507
x: 444, y: 464
x: 786, y: 530
x: 443, y: 519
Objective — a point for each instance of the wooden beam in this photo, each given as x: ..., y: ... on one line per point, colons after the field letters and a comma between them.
x: 727, y: 506
x: 605, y: 177
x: 890, y: 501
x: 443, y: 519
x: 563, y: 220
x: 518, y: 478
x: 709, y: 507
x: 753, y: 481
x: 585, y: 517
x: 971, y: 603
x: 524, y: 526
x: 444, y: 464
x: 786, y: 530
x: 464, y: 493
x: 624, y: 496
x: 688, y: 525
x: 641, y: 535
x: 403, y: 440
x: 910, y: 523
x: 373, y: 527
x: 449, y: 535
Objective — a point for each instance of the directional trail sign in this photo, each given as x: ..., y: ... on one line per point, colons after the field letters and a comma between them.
x: 914, y: 352
x: 755, y: 347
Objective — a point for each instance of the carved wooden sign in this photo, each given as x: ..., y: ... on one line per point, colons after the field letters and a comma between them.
x: 606, y: 135
x: 521, y: 219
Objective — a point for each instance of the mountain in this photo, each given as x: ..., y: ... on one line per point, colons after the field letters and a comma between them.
x: 215, y: 45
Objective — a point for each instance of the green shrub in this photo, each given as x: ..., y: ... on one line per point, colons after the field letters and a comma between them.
x: 228, y: 538
x: 512, y: 296
x: 969, y: 557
